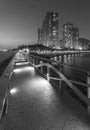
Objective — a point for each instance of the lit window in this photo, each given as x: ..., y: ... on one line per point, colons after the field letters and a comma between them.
x: 57, y: 18
x: 54, y: 14
x: 54, y: 19
x: 54, y: 27
x: 54, y: 33
x: 65, y: 26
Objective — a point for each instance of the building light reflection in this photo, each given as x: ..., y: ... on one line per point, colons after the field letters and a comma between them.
x: 80, y: 48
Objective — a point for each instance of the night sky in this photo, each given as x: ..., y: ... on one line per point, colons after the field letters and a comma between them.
x: 20, y: 19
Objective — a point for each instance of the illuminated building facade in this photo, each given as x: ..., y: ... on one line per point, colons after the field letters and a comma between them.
x: 70, y: 36
x: 39, y: 36
x: 67, y: 35
x: 75, y: 36
x: 49, y: 30
x: 84, y: 44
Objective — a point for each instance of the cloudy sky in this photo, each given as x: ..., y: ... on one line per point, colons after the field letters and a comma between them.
x: 20, y: 19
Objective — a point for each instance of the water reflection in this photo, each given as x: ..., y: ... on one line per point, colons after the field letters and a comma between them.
x: 82, y: 61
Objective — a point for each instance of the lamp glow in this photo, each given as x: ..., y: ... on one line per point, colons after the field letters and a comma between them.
x: 23, y: 63
x: 13, y: 91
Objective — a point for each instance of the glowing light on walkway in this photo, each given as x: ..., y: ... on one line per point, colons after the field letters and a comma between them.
x: 22, y: 63
x: 28, y: 68
x: 18, y: 70
x: 38, y: 84
x: 13, y: 91
x: 40, y: 89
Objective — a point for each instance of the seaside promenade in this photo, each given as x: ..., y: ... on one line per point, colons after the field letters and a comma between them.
x: 34, y: 104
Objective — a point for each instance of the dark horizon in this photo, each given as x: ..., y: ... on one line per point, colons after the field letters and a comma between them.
x: 20, y: 19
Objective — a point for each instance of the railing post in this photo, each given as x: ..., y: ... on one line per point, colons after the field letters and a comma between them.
x: 67, y: 57
x: 36, y: 61
x: 48, y: 79
x: 41, y: 66
x: 62, y: 58
x: 33, y: 61
x: 60, y: 82
x: 88, y: 91
x: 60, y: 87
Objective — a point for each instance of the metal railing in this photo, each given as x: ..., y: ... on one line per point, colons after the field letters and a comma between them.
x: 4, y: 108
x: 35, y: 62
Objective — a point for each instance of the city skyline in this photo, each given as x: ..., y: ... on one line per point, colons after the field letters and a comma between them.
x: 20, y: 19
x: 48, y: 33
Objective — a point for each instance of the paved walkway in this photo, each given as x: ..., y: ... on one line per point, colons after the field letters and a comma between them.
x: 35, y: 105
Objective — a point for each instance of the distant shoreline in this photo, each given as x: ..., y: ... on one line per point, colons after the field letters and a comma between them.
x: 4, y: 64
x: 5, y: 58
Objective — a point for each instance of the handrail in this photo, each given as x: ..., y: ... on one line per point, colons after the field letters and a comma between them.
x: 68, y: 82
x: 4, y: 108
x: 75, y: 67
x: 58, y: 63
x: 79, y: 83
x: 73, y: 87
x: 45, y: 59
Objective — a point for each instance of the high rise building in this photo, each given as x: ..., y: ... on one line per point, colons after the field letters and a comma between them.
x: 49, y: 29
x: 70, y: 36
x: 75, y: 35
x: 67, y: 35
x: 52, y: 19
x: 39, y: 36
x: 43, y: 32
